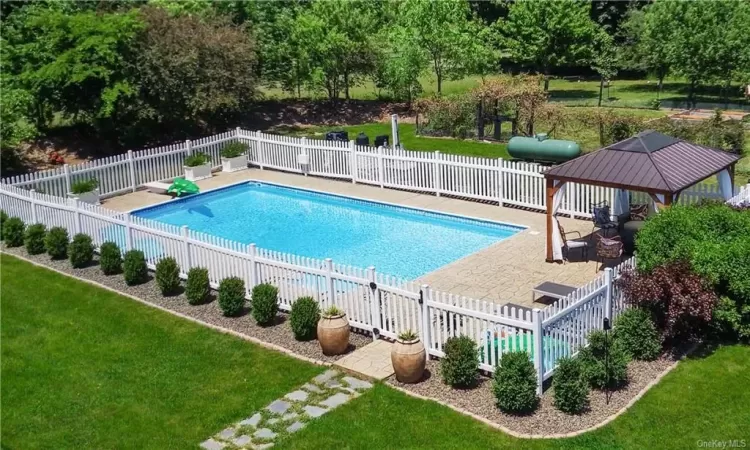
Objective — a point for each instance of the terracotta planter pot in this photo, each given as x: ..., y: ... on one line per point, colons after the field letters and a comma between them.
x: 408, y: 359
x: 333, y: 334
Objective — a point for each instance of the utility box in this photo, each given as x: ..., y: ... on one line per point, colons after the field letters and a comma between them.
x: 337, y: 136
x: 363, y: 140
x: 381, y: 141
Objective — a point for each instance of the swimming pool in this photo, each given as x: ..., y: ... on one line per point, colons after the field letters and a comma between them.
x: 399, y: 241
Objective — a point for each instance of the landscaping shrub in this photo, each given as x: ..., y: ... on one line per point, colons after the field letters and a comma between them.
x: 732, y: 321
x: 134, y: 267
x: 571, y: 389
x: 265, y: 303
x: 110, y: 259
x: 604, y: 362
x: 304, y: 318
x: 231, y: 296
x: 197, y: 159
x: 680, y: 301
x: 234, y: 149
x: 13, y: 229
x: 56, y: 242
x: 34, y: 239
x: 514, y: 383
x: 168, y: 276
x: 461, y: 362
x: 3, y: 218
x: 636, y: 333
x: 81, y: 251
x: 198, y: 286
x: 83, y: 186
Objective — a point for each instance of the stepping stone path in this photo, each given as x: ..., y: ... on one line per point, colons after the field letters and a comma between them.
x: 290, y: 413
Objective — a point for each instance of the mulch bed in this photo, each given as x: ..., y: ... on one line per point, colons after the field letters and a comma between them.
x: 279, y: 334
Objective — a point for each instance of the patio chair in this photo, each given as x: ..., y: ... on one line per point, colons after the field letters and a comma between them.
x: 601, y: 217
x: 608, y: 248
x: 573, y: 244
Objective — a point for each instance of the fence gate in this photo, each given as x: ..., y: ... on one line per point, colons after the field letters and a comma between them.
x: 396, y: 310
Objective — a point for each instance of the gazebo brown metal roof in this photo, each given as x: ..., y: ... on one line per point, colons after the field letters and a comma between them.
x: 649, y: 162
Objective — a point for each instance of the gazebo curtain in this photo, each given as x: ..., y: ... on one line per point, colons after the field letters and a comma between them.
x: 621, y: 204
x: 725, y: 184
x: 557, y: 241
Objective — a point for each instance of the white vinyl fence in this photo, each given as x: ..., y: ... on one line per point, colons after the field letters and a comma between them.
x: 743, y: 196
x: 374, y: 302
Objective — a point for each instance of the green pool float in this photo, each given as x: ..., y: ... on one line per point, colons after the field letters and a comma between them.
x: 182, y: 186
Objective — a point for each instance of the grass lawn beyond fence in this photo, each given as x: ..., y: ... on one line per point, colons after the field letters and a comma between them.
x: 85, y: 368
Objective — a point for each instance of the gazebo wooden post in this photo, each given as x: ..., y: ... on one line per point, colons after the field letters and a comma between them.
x: 551, y: 190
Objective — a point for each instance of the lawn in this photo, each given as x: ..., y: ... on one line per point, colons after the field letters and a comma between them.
x: 85, y: 368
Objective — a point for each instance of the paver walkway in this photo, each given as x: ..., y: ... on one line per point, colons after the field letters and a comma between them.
x: 372, y: 361
x: 290, y: 413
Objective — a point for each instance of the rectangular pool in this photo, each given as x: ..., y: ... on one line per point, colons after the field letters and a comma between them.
x: 396, y: 240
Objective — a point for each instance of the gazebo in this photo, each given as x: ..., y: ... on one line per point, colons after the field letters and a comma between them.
x: 659, y: 165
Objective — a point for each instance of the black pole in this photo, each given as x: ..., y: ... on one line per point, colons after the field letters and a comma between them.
x: 607, y: 327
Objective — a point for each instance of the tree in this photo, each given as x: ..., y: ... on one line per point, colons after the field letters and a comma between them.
x: 605, y: 61
x: 399, y: 64
x: 648, y: 41
x: 548, y: 35
x: 443, y: 30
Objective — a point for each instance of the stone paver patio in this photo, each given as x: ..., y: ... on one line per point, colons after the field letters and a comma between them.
x: 371, y: 361
x: 504, y: 272
x: 290, y: 413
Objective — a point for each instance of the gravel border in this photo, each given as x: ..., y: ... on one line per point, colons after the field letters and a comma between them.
x: 278, y: 334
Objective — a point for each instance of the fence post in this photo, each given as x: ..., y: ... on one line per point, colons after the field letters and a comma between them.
x: 536, y: 320
x: 77, y: 215
x: 500, y: 181
x: 303, y: 150
x: 329, y: 282
x: 353, y: 161
x: 128, y: 234
x: 238, y: 133
x: 260, y: 148
x: 380, y: 166
x: 437, y: 179
x: 374, y: 303
x: 426, y: 295
x: 66, y: 169
x: 608, y: 295
x: 188, y: 147
x: 32, y: 197
x: 131, y: 166
x: 253, y: 251
x: 186, y: 248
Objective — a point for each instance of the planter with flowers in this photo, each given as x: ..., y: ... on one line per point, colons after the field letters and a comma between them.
x: 197, y: 167
x: 86, y: 191
x: 234, y: 157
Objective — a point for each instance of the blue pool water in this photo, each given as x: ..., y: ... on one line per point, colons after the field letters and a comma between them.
x: 397, y: 241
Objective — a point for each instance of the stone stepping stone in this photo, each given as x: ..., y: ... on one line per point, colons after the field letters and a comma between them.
x: 312, y: 388
x: 289, y: 416
x: 325, y: 376
x: 273, y: 421
x: 241, y: 441
x: 227, y: 434
x: 265, y: 433
x: 356, y: 383
x: 278, y: 406
x: 212, y: 445
x: 263, y: 446
x: 252, y: 421
x: 297, y: 396
x: 296, y: 426
x: 335, y: 400
x: 333, y: 384
x: 314, y: 411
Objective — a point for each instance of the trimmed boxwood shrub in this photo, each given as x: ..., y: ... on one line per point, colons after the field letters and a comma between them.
x: 56, y: 242
x: 265, y: 303
x: 3, y: 218
x: 168, y: 276
x: 461, y: 362
x: 13, y: 229
x: 134, y: 267
x: 34, y: 239
x: 570, y: 388
x: 304, y: 318
x: 514, y: 383
x: 110, y: 259
x: 594, y: 363
x: 636, y: 333
x: 198, y: 286
x: 231, y: 296
x: 81, y: 251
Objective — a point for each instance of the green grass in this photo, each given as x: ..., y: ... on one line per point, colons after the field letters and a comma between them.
x: 703, y: 399
x: 85, y: 368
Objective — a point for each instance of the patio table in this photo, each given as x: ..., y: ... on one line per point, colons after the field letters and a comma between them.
x: 550, y: 289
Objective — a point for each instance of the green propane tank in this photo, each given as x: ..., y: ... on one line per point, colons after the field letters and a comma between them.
x: 539, y: 148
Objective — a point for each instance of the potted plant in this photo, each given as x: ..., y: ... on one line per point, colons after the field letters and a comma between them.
x: 86, y: 191
x: 234, y: 157
x: 197, y: 167
x: 333, y: 331
x: 408, y: 357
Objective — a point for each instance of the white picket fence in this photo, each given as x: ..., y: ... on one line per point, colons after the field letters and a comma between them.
x: 743, y: 196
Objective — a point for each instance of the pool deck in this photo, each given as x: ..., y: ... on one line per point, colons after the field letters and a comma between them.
x: 504, y: 272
